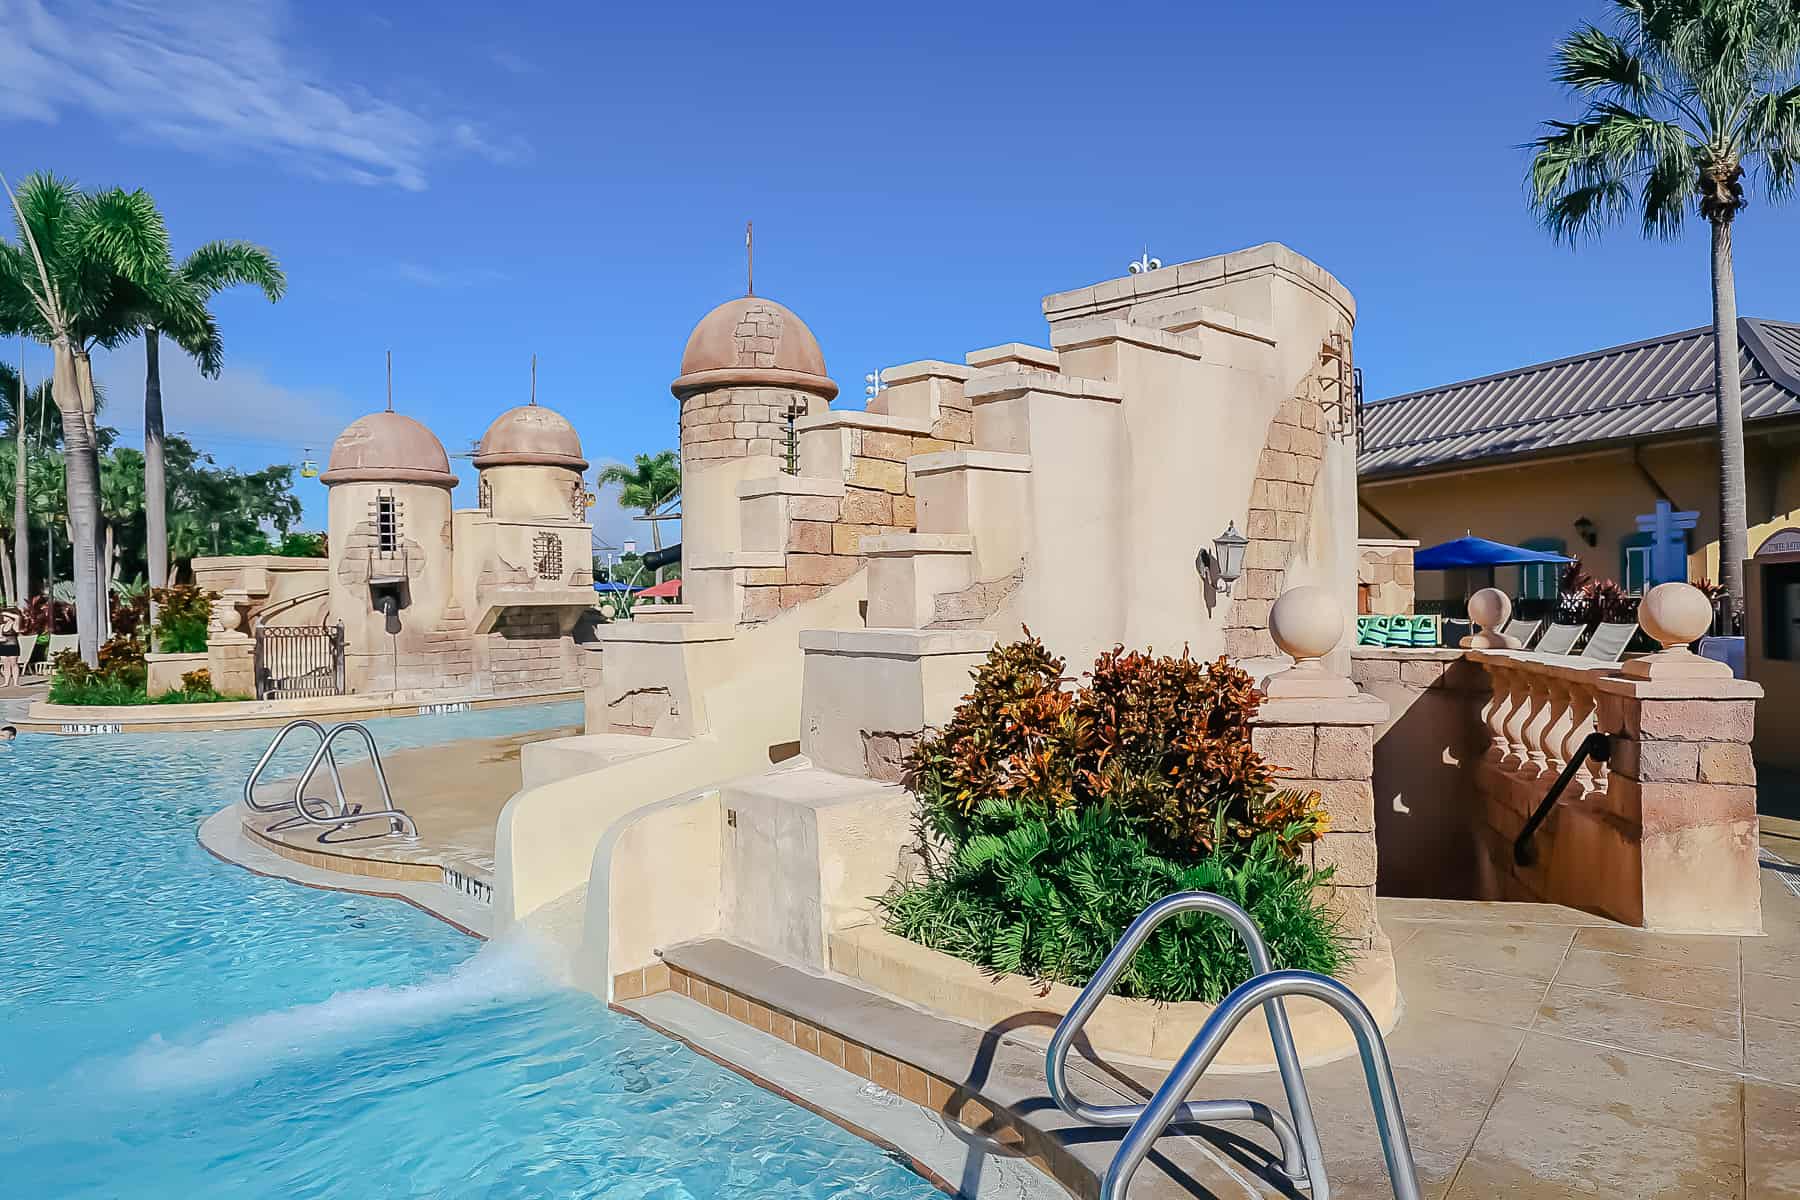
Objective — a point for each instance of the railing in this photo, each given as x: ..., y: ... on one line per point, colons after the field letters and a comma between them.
x: 281, y: 606
x: 1302, y: 1160
x: 324, y: 812
x: 298, y: 660
x: 1168, y: 1104
x: 1540, y: 715
x: 1596, y: 746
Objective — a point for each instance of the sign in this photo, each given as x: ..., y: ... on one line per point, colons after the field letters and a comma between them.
x: 442, y: 710
x: 1668, y: 543
x: 84, y: 728
x: 1787, y: 541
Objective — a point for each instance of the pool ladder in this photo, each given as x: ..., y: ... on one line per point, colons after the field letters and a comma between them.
x: 323, y: 812
x: 1301, y: 1159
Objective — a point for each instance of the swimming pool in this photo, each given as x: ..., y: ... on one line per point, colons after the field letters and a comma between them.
x: 172, y: 1026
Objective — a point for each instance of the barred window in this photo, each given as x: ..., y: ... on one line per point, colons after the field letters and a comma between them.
x: 484, y: 494
x: 547, y: 556
x: 387, y: 524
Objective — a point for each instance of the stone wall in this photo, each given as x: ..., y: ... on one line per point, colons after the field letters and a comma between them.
x: 824, y: 533
x: 735, y: 422
x: 1384, y: 575
x: 527, y: 652
x: 1281, y: 501
x: 1327, y: 746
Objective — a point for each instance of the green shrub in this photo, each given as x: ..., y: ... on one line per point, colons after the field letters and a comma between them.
x: 1049, y: 817
x: 1049, y: 895
x: 121, y: 678
x: 183, y: 616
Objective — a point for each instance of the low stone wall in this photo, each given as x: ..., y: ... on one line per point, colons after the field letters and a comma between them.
x: 1384, y: 575
x: 528, y: 651
x: 164, y: 671
x: 1327, y: 745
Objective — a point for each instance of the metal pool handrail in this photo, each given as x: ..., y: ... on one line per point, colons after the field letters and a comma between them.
x: 401, y: 823
x: 1302, y: 1160
x: 1166, y: 1106
x: 250, y: 801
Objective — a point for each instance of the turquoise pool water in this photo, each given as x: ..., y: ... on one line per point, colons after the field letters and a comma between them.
x: 175, y: 1027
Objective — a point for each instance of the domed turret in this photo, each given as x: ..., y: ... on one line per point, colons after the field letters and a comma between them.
x: 752, y: 342
x: 386, y: 447
x: 532, y: 436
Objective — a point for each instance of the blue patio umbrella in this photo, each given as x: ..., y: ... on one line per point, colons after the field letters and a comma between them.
x: 1479, y: 552
x: 612, y: 587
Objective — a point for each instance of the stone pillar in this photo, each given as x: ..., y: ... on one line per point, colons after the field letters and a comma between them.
x: 868, y: 694
x: 1681, y: 728
x: 230, y: 651
x: 1319, y: 730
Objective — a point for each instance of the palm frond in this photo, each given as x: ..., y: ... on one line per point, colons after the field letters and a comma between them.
x: 1772, y: 125
x: 1591, y: 60
x: 224, y: 264
x: 125, y: 232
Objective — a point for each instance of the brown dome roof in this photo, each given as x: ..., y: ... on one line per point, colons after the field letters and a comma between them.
x: 749, y: 341
x: 530, y: 436
x: 386, y: 447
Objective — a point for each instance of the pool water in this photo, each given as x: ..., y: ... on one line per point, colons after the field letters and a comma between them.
x: 172, y: 1026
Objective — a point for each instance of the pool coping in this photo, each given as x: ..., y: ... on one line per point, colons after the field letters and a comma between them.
x: 223, y: 836
x: 75, y: 720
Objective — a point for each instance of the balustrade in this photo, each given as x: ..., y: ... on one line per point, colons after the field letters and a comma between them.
x: 1540, y: 711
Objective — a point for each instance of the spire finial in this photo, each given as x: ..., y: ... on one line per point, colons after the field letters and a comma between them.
x: 534, y: 381
x: 390, y: 373
x: 749, y: 260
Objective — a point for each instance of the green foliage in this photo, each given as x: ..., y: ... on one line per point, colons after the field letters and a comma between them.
x: 183, y: 615
x: 1050, y: 817
x: 1682, y: 98
x: 1048, y: 894
x: 1165, y: 742
x: 121, y: 678
x: 301, y: 545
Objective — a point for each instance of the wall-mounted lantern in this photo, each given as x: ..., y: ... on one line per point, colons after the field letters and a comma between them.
x: 1227, y: 558
x: 1586, y: 529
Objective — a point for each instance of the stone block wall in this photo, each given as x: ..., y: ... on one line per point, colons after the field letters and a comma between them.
x: 1327, y: 746
x: 825, y: 532
x: 1281, y: 500
x: 1384, y: 575
x: 527, y: 652
x: 735, y: 422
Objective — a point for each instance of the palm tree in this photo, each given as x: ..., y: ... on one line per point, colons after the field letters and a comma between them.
x: 73, y: 280
x: 1682, y: 100
x: 177, y: 306
x: 648, y: 484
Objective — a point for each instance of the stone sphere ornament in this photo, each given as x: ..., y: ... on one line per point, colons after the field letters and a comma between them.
x: 1675, y: 614
x: 1307, y: 623
x: 1488, y: 609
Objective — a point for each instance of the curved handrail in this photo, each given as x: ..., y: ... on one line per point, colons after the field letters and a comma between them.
x: 401, y: 823
x: 281, y: 606
x: 1167, y: 1105
x: 250, y: 801
x: 1302, y: 1160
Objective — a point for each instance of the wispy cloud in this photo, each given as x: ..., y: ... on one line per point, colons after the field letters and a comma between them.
x: 448, y: 278
x: 243, y: 416
x: 222, y: 76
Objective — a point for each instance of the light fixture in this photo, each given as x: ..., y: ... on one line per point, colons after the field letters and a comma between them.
x: 1228, y: 558
x: 1146, y: 264
x: 873, y: 385
x: 1586, y: 529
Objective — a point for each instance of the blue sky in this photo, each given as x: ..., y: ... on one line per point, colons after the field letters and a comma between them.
x: 469, y: 184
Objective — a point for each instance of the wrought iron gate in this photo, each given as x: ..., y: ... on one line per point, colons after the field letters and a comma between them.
x: 299, y: 660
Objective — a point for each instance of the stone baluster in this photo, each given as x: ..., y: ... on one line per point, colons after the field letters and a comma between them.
x: 1519, y: 717
x: 1582, y: 708
x: 1556, y: 733
x: 1537, y: 726
x: 1494, y: 713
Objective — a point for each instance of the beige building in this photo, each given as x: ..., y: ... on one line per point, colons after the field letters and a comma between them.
x: 1566, y: 455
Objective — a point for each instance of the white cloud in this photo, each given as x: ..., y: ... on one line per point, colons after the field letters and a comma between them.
x: 221, y: 75
x: 242, y: 417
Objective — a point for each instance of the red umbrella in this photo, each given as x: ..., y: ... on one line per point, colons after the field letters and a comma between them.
x: 668, y: 589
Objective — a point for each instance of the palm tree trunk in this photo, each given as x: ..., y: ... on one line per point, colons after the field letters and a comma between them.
x: 7, y: 578
x: 83, y: 477
x: 21, y: 523
x: 1734, y: 534
x: 156, y: 488
x: 90, y: 408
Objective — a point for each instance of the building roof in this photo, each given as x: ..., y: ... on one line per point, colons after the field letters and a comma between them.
x: 1620, y: 394
x: 388, y: 447
x: 752, y: 341
x: 530, y: 435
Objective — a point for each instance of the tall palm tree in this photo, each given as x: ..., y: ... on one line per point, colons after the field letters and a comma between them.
x: 1683, y: 98
x: 649, y: 483
x: 177, y: 306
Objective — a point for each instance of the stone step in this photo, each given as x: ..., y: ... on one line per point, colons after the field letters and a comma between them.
x: 986, y: 1080
x: 908, y: 571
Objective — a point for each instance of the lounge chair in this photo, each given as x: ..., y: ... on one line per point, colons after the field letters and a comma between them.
x: 1453, y: 631
x: 1609, y: 641
x: 1560, y: 639
x: 1525, y: 631
x: 31, y: 662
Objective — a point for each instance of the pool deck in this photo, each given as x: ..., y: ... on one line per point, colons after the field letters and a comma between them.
x: 454, y: 792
